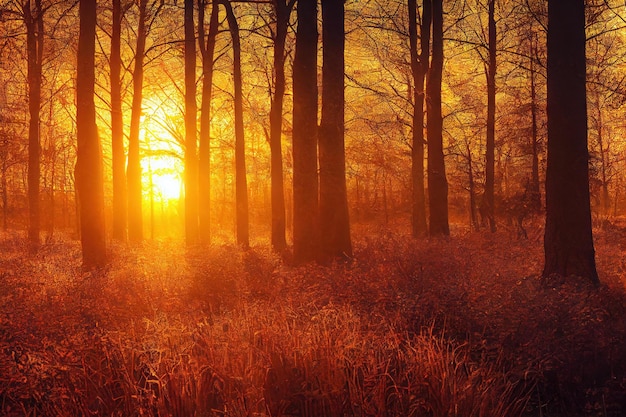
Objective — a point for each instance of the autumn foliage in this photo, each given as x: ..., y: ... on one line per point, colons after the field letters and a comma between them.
x: 458, y: 327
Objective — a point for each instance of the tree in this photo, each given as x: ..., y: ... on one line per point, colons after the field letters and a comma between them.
x: 191, y: 110
x: 34, y: 45
x: 282, y: 9
x: 534, y: 178
x: 437, y: 182
x: 118, y: 157
x: 568, y: 240
x: 419, y: 66
x: 334, y: 217
x: 207, y: 51
x: 88, y: 171
x: 305, y: 181
x: 491, y: 119
x: 133, y: 170
x: 241, y: 182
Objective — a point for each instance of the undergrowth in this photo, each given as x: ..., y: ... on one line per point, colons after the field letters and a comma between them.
x: 459, y: 327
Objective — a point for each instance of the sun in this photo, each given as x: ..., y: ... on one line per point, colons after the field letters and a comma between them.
x: 167, y: 185
x: 162, y: 176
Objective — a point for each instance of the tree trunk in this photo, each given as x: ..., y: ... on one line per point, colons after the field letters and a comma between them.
x: 191, y: 111
x: 419, y: 66
x: 204, y: 151
x: 568, y: 241
x: 437, y: 182
x: 605, y: 203
x: 534, y: 180
x: 283, y: 10
x: 491, y: 120
x: 472, y: 190
x: 305, y: 181
x: 88, y: 171
x: 334, y: 217
x: 34, y: 46
x: 241, y: 183
x: 133, y: 171
x: 117, y: 128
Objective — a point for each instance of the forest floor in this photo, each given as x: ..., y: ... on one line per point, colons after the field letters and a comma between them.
x: 442, y: 327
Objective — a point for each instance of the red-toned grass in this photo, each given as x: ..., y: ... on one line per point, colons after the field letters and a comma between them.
x: 458, y: 327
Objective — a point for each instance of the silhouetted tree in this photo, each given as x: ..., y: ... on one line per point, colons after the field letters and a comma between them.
x: 241, y: 182
x: 88, y: 172
x: 334, y: 219
x: 305, y: 181
x: 120, y: 202
x: 534, y: 128
x: 207, y: 50
x: 33, y: 18
x: 282, y: 9
x: 133, y: 170
x: 491, y: 119
x: 191, y: 110
x: 419, y: 67
x: 568, y: 240
x: 437, y: 182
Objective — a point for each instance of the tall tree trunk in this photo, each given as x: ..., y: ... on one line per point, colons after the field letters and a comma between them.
x: 534, y: 179
x: 437, y: 182
x: 241, y: 182
x: 305, y: 181
x: 120, y: 202
x: 207, y: 51
x: 88, y: 171
x: 568, y: 241
x: 472, y: 190
x: 191, y: 111
x: 283, y: 11
x: 419, y: 66
x: 133, y: 171
x: 491, y: 120
x: 605, y: 203
x: 334, y: 217
x: 34, y: 46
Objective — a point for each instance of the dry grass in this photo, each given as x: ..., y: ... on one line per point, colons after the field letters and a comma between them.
x: 459, y: 327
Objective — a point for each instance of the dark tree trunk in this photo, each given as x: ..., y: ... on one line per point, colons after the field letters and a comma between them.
x: 133, y: 171
x: 283, y: 11
x: 605, y: 202
x: 120, y: 202
x: 34, y: 46
x: 534, y: 179
x: 472, y: 190
x: 88, y: 171
x: 191, y: 111
x: 305, y: 182
x: 419, y: 66
x: 437, y: 182
x: 334, y: 217
x: 241, y: 183
x: 568, y: 240
x: 491, y: 120
x: 204, y: 151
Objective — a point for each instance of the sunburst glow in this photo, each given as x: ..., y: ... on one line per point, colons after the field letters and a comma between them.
x: 167, y: 185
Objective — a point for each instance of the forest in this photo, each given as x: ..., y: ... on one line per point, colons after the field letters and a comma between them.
x: 313, y: 208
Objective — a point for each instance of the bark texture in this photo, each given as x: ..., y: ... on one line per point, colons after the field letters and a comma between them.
x: 437, y: 181
x: 334, y: 217
x: 88, y: 171
x: 568, y: 240
x: 305, y: 181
